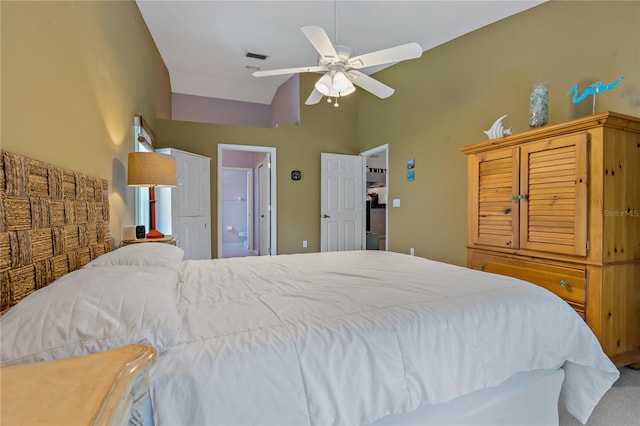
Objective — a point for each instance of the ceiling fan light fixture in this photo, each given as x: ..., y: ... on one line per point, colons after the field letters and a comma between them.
x: 334, y: 84
x: 340, y: 81
x: 324, y: 85
x: 349, y: 90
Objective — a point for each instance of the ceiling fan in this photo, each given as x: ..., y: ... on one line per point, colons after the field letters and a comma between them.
x: 341, y: 68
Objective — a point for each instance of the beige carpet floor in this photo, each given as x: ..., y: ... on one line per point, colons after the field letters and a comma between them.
x: 620, y: 406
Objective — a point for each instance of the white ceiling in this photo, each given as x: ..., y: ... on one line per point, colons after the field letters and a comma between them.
x: 204, y: 43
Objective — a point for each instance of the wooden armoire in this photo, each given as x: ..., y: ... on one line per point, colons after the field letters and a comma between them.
x: 559, y: 206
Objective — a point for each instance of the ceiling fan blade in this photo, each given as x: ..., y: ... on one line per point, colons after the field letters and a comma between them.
x: 369, y: 84
x: 385, y: 56
x: 314, y: 98
x: 267, y: 73
x: 320, y: 40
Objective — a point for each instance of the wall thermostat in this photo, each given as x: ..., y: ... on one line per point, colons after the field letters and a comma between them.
x: 296, y: 175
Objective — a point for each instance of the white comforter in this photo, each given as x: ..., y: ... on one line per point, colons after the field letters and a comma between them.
x: 346, y: 338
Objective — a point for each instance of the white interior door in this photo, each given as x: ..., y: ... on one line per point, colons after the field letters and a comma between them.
x: 341, y: 202
x: 264, y: 208
x: 193, y: 231
x: 193, y: 182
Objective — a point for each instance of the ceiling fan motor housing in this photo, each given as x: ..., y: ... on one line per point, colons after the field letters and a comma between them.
x: 344, y: 53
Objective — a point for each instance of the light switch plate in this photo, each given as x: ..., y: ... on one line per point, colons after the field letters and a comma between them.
x: 396, y: 202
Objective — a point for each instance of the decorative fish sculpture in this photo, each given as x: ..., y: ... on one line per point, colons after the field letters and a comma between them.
x: 497, y: 130
x: 594, y: 89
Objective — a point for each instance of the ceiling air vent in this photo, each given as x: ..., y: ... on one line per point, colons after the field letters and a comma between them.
x: 259, y: 56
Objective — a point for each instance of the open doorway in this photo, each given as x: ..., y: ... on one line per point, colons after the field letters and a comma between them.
x: 237, y: 212
x: 377, y: 188
x: 246, y: 201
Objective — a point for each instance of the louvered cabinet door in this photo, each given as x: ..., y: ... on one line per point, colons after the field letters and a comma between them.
x: 493, y: 206
x: 553, y: 186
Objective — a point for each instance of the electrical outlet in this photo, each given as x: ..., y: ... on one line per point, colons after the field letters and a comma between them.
x: 411, y: 251
x: 304, y: 243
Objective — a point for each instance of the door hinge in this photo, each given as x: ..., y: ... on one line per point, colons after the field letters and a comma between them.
x: 587, y: 245
x: 588, y: 141
x: 268, y: 165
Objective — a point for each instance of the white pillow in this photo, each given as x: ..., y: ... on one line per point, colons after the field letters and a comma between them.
x: 143, y: 254
x: 92, y: 310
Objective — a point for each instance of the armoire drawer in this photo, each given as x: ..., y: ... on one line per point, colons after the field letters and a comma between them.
x: 566, y: 282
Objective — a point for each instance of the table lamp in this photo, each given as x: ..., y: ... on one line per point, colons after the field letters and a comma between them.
x: 152, y: 169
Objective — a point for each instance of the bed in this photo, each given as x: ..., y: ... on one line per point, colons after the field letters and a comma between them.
x: 363, y: 337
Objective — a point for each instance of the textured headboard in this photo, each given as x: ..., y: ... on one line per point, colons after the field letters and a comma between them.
x: 52, y: 221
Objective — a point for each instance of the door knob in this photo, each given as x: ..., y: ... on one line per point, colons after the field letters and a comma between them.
x: 324, y: 216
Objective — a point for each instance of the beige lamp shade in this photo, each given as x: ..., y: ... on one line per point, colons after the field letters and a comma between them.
x: 151, y: 169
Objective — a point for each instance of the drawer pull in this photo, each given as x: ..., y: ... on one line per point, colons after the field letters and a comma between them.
x: 564, y: 284
x: 513, y: 198
x: 481, y: 266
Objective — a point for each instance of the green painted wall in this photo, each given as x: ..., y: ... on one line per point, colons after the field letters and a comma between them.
x: 445, y: 100
x: 74, y: 73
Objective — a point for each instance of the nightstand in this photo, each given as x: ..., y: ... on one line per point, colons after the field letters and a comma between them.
x: 167, y: 240
x: 103, y: 388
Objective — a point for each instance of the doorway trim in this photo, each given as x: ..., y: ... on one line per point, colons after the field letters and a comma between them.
x: 367, y: 153
x: 273, y: 204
